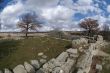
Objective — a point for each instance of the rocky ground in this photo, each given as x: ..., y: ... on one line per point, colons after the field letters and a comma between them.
x: 83, y: 57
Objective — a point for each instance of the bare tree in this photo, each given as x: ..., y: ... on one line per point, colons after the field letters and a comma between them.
x: 28, y: 22
x: 90, y: 25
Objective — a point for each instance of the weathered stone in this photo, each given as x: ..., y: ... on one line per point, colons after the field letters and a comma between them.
x: 68, y: 66
x: 57, y: 70
x: 44, y: 56
x: 72, y: 51
x: 1, y: 71
x: 19, y: 69
x: 79, y: 42
x: 56, y: 63
x: 7, y: 71
x: 62, y: 57
x: 100, y: 38
x: 42, y: 61
x: 35, y: 64
x: 48, y: 67
x: 99, y: 67
x: 40, y: 54
x: 29, y: 68
x: 40, y: 71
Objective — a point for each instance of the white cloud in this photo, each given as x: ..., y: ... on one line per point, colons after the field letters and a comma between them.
x: 55, y: 16
x: 85, y: 2
x: 108, y: 8
x: 57, y: 13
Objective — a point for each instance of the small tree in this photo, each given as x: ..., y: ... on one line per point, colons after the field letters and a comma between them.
x: 90, y: 25
x: 28, y: 22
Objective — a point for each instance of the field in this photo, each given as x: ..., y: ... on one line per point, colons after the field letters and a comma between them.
x: 106, y: 66
x: 14, y: 52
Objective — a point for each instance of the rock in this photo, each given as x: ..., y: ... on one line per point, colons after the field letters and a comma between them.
x: 98, y: 67
x: 44, y: 56
x: 57, y: 70
x: 19, y: 69
x: 62, y: 57
x: 56, y: 63
x: 72, y: 51
x: 40, y: 54
x: 7, y: 71
x: 1, y: 71
x: 48, y: 66
x: 68, y: 66
x: 42, y: 61
x: 79, y: 42
x: 29, y: 68
x: 35, y: 64
x: 40, y: 71
x: 100, y: 38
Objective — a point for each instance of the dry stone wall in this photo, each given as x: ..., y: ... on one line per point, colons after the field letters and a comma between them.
x: 64, y: 63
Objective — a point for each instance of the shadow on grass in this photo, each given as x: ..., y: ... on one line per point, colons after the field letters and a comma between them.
x: 7, y: 47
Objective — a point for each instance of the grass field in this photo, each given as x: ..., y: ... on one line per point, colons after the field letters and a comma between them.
x: 14, y: 52
x: 106, y: 66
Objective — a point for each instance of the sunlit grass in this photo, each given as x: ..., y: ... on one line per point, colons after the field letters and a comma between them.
x: 14, y: 52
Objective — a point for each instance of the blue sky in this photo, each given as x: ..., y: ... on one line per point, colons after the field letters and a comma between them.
x: 62, y: 14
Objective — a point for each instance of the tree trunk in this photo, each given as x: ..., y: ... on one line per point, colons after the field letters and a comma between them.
x: 26, y: 34
x: 27, y: 31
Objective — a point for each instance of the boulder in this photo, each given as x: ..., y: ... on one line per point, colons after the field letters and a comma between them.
x: 40, y: 71
x: 48, y: 67
x: 44, y: 56
x: 79, y: 42
x: 99, y: 67
x: 100, y: 38
x: 19, y: 69
x: 68, y: 66
x: 1, y: 71
x: 57, y: 70
x: 56, y: 63
x: 7, y: 71
x: 35, y: 64
x: 62, y: 57
x: 29, y: 68
x: 42, y: 61
x: 72, y: 52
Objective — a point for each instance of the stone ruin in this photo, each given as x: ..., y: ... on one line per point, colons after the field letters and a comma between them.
x: 66, y: 62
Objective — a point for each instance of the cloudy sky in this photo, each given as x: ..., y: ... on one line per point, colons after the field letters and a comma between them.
x: 62, y: 14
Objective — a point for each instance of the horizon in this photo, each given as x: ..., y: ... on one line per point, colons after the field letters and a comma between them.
x: 62, y: 14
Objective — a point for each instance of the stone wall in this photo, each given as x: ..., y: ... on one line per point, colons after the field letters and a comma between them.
x: 64, y: 63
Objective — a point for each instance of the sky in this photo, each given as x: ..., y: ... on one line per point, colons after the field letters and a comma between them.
x: 61, y: 14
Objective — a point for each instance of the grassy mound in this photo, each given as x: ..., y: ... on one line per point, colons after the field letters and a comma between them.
x: 14, y: 52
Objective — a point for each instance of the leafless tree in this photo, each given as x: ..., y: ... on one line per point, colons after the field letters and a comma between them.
x: 28, y: 22
x: 91, y: 26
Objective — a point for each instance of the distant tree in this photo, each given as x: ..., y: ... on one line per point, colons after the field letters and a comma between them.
x: 90, y: 25
x: 28, y: 22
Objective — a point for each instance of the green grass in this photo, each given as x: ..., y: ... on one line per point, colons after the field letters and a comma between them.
x: 106, y: 48
x: 107, y: 62
x: 105, y: 69
x: 14, y: 52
